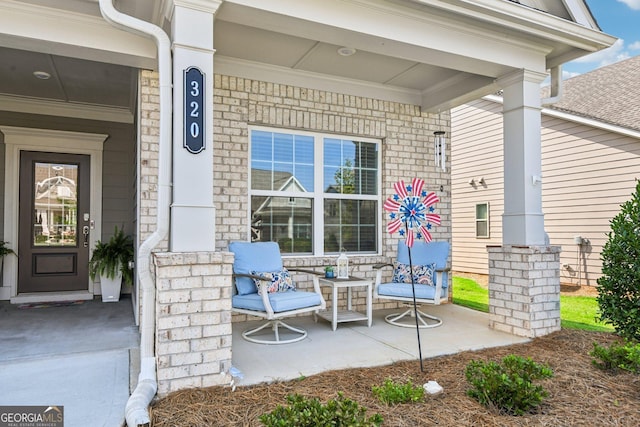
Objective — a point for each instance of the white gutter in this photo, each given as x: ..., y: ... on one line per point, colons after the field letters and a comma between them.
x: 575, y: 118
x: 136, y: 411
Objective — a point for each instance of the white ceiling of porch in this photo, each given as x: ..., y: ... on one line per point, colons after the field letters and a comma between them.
x: 250, y: 36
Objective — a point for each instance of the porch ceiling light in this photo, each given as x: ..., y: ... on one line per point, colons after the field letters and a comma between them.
x: 346, y: 51
x: 440, y: 149
x: 42, y: 75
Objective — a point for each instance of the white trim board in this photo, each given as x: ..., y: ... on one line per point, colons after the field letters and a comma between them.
x: 17, y: 139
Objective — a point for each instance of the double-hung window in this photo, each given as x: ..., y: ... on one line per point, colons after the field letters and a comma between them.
x: 313, y: 193
x: 482, y: 220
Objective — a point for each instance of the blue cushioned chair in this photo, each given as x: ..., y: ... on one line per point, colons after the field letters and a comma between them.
x: 264, y: 257
x: 422, y: 254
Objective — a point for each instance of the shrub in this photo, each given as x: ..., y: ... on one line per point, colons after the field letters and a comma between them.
x: 508, y: 386
x: 392, y: 393
x: 303, y: 412
x: 619, y: 286
x: 617, y: 356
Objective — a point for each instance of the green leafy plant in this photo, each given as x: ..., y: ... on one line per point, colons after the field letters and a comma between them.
x: 113, y: 256
x: 392, y: 393
x: 304, y: 412
x: 508, y: 386
x: 618, y: 356
x: 619, y: 286
x: 4, y: 250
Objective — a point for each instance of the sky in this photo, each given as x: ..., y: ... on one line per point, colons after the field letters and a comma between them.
x: 619, y: 18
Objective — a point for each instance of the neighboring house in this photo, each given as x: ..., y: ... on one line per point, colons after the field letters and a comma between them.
x: 590, y: 164
x: 168, y: 110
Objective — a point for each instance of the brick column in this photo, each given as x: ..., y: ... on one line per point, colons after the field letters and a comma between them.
x: 524, y: 289
x: 193, y: 314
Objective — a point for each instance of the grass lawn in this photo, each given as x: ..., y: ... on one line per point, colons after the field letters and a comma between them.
x: 576, y: 312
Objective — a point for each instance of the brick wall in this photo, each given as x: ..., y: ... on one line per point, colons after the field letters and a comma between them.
x: 524, y: 289
x: 149, y: 138
x: 193, y: 330
x: 407, y: 151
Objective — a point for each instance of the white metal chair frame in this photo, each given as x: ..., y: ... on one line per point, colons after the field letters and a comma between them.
x: 407, y: 318
x: 398, y: 319
x: 274, y: 318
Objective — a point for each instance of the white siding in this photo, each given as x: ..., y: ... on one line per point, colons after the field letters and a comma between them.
x: 476, y: 147
x: 587, y: 174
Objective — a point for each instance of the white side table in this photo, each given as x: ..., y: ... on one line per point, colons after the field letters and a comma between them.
x: 336, y: 316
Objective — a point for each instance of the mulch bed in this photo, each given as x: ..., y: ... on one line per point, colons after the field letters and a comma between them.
x: 579, y: 393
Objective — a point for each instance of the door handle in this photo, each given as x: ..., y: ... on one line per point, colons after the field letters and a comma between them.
x: 85, y: 231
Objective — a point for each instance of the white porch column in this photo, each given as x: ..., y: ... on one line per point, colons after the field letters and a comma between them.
x: 192, y: 211
x: 522, y: 220
x: 524, y: 273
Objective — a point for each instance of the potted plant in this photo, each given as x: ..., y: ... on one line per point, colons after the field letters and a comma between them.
x: 110, y: 262
x: 328, y: 272
x: 4, y: 251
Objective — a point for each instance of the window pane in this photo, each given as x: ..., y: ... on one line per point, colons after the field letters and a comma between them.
x: 261, y: 146
x: 332, y: 152
x: 283, y: 148
x: 281, y: 162
x: 368, y: 182
x: 56, y: 201
x: 481, y: 229
x: 481, y: 211
x: 285, y: 220
x: 350, y: 167
x: 350, y: 224
x: 261, y: 175
x: 368, y: 155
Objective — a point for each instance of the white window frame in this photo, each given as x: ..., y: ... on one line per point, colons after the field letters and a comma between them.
x: 318, y: 195
x: 478, y: 220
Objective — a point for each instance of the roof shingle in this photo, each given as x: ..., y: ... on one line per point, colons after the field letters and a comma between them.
x: 609, y: 94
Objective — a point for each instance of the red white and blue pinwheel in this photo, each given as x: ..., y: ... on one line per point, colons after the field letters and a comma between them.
x: 412, y: 210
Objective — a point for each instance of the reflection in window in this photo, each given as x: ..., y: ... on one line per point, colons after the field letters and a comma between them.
x: 281, y: 162
x: 350, y: 225
x: 285, y: 220
x: 293, y: 172
x: 350, y: 167
x: 55, y: 204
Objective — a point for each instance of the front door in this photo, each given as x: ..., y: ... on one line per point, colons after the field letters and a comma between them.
x: 53, y: 222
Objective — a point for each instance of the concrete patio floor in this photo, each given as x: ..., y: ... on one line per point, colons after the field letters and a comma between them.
x: 84, y: 356
x: 76, y: 356
x: 356, y: 345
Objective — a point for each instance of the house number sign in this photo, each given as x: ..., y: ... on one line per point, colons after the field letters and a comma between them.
x: 194, y: 110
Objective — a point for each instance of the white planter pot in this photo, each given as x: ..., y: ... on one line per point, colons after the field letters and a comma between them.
x: 111, y: 288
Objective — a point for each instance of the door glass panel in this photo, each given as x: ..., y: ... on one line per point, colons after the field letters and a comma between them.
x: 55, y: 204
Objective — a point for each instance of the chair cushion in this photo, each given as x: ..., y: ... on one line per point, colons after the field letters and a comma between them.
x: 425, y: 253
x: 256, y: 256
x: 280, y: 301
x: 404, y: 290
x: 422, y: 274
x: 273, y: 281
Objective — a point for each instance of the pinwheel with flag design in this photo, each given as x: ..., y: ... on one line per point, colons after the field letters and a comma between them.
x: 411, y: 211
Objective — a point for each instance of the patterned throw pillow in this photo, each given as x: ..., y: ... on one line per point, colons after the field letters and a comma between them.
x: 274, y: 281
x: 422, y: 274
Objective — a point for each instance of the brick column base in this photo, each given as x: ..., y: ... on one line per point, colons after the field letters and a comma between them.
x: 193, y: 319
x: 524, y: 289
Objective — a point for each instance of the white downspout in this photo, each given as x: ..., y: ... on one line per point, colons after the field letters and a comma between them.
x: 555, y: 94
x: 136, y: 411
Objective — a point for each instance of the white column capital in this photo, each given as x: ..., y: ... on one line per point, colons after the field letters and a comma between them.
x: 209, y: 6
x: 521, y: 75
